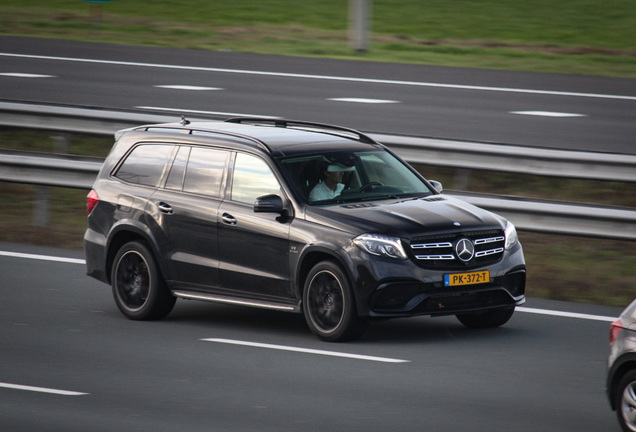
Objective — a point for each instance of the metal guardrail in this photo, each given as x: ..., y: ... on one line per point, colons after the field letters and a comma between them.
x: 532, y: 215
x: 514, y: 159
x: 484, y: 156
x: 48, y: 169
x: 554, y: 217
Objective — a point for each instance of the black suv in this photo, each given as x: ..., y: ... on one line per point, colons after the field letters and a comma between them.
x: 294, y: 216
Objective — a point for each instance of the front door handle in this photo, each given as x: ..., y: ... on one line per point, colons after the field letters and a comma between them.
x: 228, y: 219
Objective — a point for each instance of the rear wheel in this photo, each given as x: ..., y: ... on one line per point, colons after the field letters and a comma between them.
x: 486, y: 319
x: 328, y: 304
x: 138, y: 287
x: 626, y: 402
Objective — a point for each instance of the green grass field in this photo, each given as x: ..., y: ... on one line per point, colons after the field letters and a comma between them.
x: 563, y: 36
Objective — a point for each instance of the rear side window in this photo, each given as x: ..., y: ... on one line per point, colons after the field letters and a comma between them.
x: 205, y: 171
x: 175, y: 178
x: 145, y: 165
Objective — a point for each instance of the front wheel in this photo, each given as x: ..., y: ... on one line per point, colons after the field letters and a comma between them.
x: 626, y: 402
x: 486, y: 319
x: 328, y: 304
x: 138, y: 286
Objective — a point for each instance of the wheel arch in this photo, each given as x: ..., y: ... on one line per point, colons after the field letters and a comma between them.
x: 126, y: 233
x: 619, y: 370
x: 315, y: 255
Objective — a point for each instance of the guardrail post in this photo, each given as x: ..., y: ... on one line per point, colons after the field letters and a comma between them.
x: 462, y: 179
x: 42, y: 204
x: 61, y: 143
x: 359, y: 15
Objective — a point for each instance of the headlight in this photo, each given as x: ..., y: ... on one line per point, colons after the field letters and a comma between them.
x: 380, y: 245
x: 511, y: 236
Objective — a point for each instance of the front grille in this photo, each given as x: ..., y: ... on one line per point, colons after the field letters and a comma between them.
x: 448, y: 251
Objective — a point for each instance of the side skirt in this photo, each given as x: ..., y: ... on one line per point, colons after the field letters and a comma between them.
x: 194, y: 295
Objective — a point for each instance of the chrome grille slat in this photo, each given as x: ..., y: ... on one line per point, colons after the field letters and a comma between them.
x: 431, y: 245
x: 489, y: 240
x: 435, y: 257
x: 489, y: 252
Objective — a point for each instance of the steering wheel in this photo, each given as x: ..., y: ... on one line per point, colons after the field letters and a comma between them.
x: 367, y: 187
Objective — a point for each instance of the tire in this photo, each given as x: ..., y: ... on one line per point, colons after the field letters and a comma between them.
x: 625, y: 399
x: 139, y: 289
x: 329, y: 306
x: 487, y: 319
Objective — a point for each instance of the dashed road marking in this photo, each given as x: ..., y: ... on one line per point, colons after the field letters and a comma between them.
x: 25, y: 75
x: 41, y: 390
x: 188, y: 87
x: 364, y: 100
x: 307, y: 351
x: 547, y: 114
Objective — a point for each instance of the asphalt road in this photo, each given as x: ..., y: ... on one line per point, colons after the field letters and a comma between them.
x: 530, y: 109
x: 69, y: 361
x: 61, y: 332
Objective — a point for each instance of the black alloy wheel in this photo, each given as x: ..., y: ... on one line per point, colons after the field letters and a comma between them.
x: 138, y: 286
x: 328, y: 304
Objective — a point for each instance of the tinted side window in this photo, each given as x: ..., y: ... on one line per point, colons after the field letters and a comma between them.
x: 252, y: 179
x: 175, y: 178
x: 145, y: 164
x: 206, y: 170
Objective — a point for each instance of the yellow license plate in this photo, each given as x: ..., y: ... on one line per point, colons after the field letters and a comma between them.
x: 472, y: 278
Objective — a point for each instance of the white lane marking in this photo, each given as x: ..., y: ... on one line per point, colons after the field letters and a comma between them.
x: 25, y: 75
x: 327, y: 77
x: 191, y: 111
x: 547, y: 114
x: 42, y: 257
x: 364, y: 100
x: 188, y: 87
x: 519, y: 309
x: 307, y: 351
x: 42, y: 390
x: 566, y: 314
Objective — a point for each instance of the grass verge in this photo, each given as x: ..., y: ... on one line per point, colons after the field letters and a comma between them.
x: 568, y: 36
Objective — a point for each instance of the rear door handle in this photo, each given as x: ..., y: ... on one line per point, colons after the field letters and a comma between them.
x: 228, y: 219
x: 165, y: 208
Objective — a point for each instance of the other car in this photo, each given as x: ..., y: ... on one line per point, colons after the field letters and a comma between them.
x: 621, y: 376
x: 228, y: 212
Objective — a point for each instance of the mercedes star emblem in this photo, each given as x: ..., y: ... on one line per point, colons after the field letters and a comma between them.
x: 465, y: 250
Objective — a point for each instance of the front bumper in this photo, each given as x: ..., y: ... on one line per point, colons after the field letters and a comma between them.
x: 407, y: 299
x: 392, y: 288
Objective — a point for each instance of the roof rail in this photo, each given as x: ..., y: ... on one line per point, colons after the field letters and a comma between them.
x: 323, y: 127
x: 193, y: 130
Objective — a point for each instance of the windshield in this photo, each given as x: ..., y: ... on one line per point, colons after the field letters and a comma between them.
x: 352, y: 176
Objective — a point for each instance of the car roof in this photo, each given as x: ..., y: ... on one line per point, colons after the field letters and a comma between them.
x: 277, y: 137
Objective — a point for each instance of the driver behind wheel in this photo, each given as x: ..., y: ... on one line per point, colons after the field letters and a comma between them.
x: 331, y: 185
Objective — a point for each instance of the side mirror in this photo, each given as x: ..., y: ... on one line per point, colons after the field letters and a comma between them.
x: 437, y: 185
x: 269, y: 204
